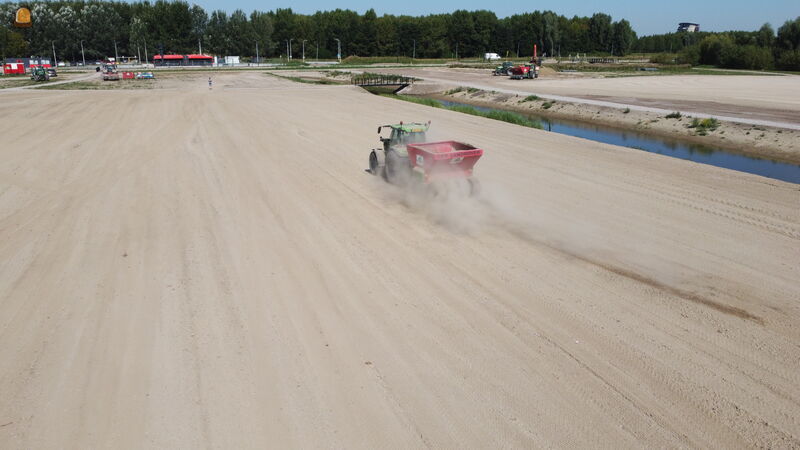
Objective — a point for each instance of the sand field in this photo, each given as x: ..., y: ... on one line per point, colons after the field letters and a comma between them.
x: 190, y: 268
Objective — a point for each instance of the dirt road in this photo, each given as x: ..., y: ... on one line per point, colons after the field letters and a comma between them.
x: 195, y: 268
x: 767, y: 100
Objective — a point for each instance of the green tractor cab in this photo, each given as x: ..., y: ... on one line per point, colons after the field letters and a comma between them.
x: 388, y: 160
x: 39, y: 74
x: 503, y: 69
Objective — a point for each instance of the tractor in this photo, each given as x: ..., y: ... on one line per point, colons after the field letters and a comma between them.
x: 39, y: 74
x: 406, y: 157
x: 391, y: 161
x: 503, y: 69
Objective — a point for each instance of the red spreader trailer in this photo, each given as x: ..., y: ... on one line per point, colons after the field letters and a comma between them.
x: 443, y: 160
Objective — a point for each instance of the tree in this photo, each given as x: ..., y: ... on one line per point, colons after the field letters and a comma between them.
x: 766, y: 36
x: 600, y: 32
x: 622, y: 38
x: 199, y: 23
x: 789, y: 35
x: 12, y: 44
x: 261, y: 23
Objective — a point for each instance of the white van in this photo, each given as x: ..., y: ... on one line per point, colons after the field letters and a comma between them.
x: 491, y: 56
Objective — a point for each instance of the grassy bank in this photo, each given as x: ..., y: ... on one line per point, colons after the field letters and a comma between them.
x: 503, y: 116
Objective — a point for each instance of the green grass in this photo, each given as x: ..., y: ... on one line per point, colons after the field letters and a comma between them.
x: 704, y: 126
x: 358, y: 60
x: 338, y: 73
x: 12, y: 83
x: 503, y: 116
x: 102, y: 86
x: 301, y: 80
x: 385, y: 76
x: 547, y: 105
x: 530, y: 98
x: 418, y: 100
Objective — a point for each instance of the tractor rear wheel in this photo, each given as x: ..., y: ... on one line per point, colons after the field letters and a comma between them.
x: 474, y: 187
x: 397, y: 169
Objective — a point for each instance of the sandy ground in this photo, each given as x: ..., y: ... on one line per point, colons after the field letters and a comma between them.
x: 737, y: 134
x: 778, y: 144
x: 758, y: 98
x: 215, y: 269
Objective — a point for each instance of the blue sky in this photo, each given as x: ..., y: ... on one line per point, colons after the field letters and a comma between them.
x: 646, y: 17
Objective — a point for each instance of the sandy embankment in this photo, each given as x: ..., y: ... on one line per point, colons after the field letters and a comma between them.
x: 752, y: 140
x: 214, y: 268
x: 765, y: 98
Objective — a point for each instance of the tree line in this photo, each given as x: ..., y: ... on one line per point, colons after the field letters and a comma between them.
x: 106, y: 28
x: 179, y: 27
x: 759, y: 50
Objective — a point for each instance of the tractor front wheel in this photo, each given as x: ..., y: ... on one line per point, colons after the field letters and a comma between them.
x: 374, y: 166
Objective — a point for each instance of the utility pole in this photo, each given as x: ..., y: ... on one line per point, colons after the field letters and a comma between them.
x: 116, y: 56
x: 256, y: 52
x: 287, y: 50
x: 290, y: 48
x: 338, y: 49
x: 55, y: 60
x: 83, y: 55
x: 456, y: 50
x: 138, y: 55
x: 414, y: 51
x: 145, y: 52
x: 200, y: 46
x: 304, y: 50
x: 317, y: 50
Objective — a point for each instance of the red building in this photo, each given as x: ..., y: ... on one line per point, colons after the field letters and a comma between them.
x: 183, y: 60
x: 13, y: 69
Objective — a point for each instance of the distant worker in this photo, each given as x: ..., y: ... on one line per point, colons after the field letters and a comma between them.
x: 209, y: 83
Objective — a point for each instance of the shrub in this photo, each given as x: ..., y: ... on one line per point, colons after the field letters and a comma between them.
x: 547, y: 105
x: 529, y: 98
x: 663, y: 58
x: 789, y: 60
x: 673, y: 115
x: 704, y: 126
x: 626, y: 111
x: 454, y: 90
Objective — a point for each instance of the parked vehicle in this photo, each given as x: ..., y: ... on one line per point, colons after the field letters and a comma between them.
x: 39, y: 74
x: 503, y: 68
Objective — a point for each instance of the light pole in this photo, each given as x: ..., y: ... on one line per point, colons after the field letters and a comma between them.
x: 317, y: 43
x: 55, y: 60
x: 116, y: 56
x: 83, y: 55
x: 338, y: 49
x: 287, y: 50
x: 414, y: 52
x: 290, y: 48
x: 304, y: 50
x: 145, y: 52
x: 256, y: 52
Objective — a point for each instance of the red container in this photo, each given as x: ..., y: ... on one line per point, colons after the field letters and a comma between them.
x: 14, y: 69
x: 127, y: 75
x: 443, y: 159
